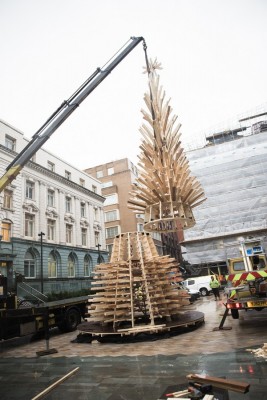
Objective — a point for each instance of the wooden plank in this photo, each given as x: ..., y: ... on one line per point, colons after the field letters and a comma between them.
x: 55, y: 384
x: 143, y: 328
x: 228, y: 384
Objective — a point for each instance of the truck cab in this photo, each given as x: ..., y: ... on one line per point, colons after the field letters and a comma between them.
x: 247, y: 280
x: 256, y: 262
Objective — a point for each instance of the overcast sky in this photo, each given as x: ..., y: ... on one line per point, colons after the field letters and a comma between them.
x: 213, y: 54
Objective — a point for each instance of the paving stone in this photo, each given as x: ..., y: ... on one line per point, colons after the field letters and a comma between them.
x: 142, y: 370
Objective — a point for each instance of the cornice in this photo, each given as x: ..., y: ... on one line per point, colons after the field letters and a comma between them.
x: 84, y: 223
x: 30, y: 207
x: 59, y: 178
x: 51, y: 213
x: 69, y: 219
x: 97, y: 226
x: 62, y: 179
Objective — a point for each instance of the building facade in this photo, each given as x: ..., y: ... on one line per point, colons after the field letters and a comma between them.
x: 117, y: 178
x: 52, y: 220
x: 232, y: 169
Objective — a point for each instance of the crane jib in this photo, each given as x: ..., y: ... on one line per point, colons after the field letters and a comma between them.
x: 63, y: 112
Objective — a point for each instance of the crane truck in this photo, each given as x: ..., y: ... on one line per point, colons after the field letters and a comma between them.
x: 247, y: 279
x: 16, y: 318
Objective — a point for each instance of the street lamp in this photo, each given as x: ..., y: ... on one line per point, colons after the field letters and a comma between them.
x: 41, y: 234
x: 98, y: 247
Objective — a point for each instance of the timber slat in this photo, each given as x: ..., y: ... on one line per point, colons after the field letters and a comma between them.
x: 228, y: 384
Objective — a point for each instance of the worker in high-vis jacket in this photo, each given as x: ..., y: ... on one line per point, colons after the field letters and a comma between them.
x: 214, y: 285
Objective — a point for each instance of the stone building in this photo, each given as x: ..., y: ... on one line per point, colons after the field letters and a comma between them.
x: 52, y: 221
x: 117, y: 178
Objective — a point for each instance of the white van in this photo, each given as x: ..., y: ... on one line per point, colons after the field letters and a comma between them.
x: 199, y: 283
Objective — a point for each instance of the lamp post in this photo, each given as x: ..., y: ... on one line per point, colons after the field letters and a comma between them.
x: 98, y: 247
x: 41, y: 234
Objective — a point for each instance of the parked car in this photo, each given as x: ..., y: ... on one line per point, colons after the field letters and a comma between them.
x: 199, y: 283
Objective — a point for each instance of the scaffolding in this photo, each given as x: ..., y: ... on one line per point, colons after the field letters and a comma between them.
x: 233, y: 175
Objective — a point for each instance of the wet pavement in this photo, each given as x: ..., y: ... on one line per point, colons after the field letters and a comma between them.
x: 140, y: 370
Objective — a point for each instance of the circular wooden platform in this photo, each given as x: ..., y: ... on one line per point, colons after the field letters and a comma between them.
x: 89, y: 331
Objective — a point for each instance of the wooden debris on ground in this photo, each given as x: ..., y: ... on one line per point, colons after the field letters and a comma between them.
x: 261, y: 352
x: 222, y: 383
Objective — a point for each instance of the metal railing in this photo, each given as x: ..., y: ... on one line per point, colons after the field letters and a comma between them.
x: 24, y: 289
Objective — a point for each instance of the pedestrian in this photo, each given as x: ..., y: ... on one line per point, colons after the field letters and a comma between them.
x: 214, y: 284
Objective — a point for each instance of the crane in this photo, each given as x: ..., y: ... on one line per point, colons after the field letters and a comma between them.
x: 64, y: 111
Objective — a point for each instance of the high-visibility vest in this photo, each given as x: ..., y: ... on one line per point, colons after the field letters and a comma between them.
x: 214, y: 284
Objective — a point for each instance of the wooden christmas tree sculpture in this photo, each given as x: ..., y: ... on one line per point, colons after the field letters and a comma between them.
x: 138, y: 290
x: 136, y: 286
x: 165, y: 191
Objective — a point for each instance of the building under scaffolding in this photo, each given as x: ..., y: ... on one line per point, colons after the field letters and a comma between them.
x: 232, y: 169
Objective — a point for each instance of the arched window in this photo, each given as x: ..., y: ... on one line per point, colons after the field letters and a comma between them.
x: 29, y: 265
x: 52, y: 265
x: 100, y: 259
x: 71, y: 266
x: 87, y: 265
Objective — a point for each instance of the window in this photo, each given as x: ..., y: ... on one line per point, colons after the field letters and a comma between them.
x: 10, y: 143
x: 71, y: 266
x: 99, y: 174
x: 112, y: 199
x: 140, y: 227
x: 87, y: 265
x: 156, y: 235
x: 82, y: 182
x: 52, y: 266
x: 83, y: 210
x: 109, y: 247
x: 6, y: 231
x: 8, y: 199
x: 110, y: 171
x: 29, y: 190
x: 111, y: 216
x: 29, y: 265
x: 50, y: 198
x: 67, y: 175
x: 261, y: 264
x: 84, y: 236
x: 112, y: 232
x: 96, y: 238
x: 68, y: 204
x: 96, y: 214
x: 190, y: 282
x: 51, y: 166
x: 142, y: 216
x: 106, y: 184
x: 51, y: 229
x: 239, y: 266
x: 68, y: 233
x: 94, y: 189
x: 29, y: 225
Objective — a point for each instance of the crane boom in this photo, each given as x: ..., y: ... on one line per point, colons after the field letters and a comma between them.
x: 63, y: 112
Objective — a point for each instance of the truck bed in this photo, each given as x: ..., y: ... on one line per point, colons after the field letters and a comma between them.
x: 65, y: 302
